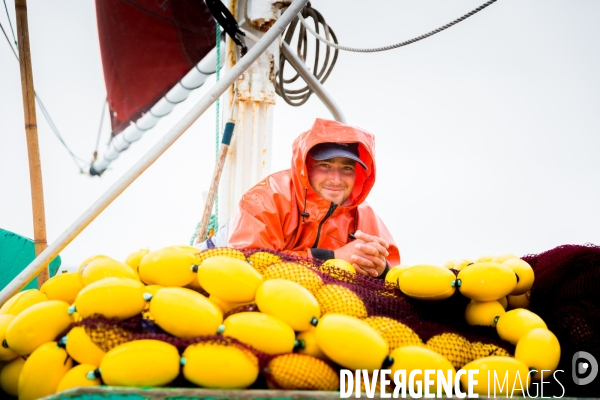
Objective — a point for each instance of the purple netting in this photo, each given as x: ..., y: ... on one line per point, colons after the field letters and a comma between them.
x: 382, y: 298
x: 566, y: 295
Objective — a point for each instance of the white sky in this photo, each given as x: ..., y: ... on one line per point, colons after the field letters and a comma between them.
x: 488, y: 133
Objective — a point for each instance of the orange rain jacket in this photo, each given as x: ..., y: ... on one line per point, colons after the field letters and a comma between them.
x: 269, y: 214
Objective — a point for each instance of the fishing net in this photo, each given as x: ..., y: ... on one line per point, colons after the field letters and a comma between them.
x: 301, y: 372
x: 399, y: 319
x: 564, y: 294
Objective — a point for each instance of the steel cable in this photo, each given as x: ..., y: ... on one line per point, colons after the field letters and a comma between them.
x: 336, y: 46
x: 46, y: 115
x: 299, y: 96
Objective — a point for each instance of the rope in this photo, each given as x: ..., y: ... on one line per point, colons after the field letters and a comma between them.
x: 213, y: 222
x: 297, y: 97
x: 45, y: 113
x: 8, y: 41
x: 100, y: 129
x: 10, y: 23
x: 394, y: 46
x: 218, y: 124
x: 58, y: 135
x: 210, y: 231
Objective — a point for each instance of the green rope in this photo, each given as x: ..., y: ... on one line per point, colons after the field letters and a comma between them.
x: 213, y: 223
x: 195, y: 234
x: 211, y: 230
x: 218, y: 122
x: 11, y: 27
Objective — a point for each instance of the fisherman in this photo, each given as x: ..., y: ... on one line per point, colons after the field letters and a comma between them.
x: 317, y: 208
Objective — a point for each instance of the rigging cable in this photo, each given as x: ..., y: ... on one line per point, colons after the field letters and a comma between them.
x: 46, y: 115
x: 394, y: 46
x: 10, y: 23
x: 297, y: 97
x: 215, y: 221
x: 100, y: 129
x: 8, y: 41
x: 54, y: 129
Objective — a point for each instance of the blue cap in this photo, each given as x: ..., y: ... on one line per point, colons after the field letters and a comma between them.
x: 325, y: 151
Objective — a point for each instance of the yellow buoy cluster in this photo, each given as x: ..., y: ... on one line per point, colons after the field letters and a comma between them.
x: 482, y: 280
x: 494, y: 284
x: 302, y: 324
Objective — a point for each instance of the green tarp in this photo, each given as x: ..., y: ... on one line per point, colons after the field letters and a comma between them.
x: 16, y: 253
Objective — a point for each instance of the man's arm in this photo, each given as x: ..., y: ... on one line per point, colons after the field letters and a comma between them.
x: 260, y: 219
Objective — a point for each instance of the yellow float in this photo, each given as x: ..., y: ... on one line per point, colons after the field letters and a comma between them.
x: 229, y: 279
x: 289, y: 301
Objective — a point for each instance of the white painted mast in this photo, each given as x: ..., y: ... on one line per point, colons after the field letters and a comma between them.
x: 249, y: 158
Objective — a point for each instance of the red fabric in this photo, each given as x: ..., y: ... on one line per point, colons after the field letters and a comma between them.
x: 147, y: 46
x: 269, y: 213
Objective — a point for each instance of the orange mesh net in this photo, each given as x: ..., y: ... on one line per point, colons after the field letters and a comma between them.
x: 395, y: 333
x: 260, y: 260
x: 108, y: 334
x: 221, y: 251
x: 301, y: 372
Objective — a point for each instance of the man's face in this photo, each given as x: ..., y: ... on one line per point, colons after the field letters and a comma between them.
x: 333, y: 178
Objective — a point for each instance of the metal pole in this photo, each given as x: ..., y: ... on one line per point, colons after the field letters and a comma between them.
x: 312, y: 82
x: 163, y: 144
x: 33, y: 148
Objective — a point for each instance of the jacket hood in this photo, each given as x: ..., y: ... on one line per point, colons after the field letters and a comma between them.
x: 324, y: 131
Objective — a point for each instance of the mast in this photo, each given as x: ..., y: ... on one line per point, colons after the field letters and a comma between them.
x: 250, y: 156
x: 33, y: 149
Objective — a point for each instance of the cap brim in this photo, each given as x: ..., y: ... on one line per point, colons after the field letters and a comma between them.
x: 327, y: 154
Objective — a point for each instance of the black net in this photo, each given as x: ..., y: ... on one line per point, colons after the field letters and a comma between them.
x: 566, y: 295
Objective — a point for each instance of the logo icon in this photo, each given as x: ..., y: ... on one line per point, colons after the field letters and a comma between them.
x: 584, y: 367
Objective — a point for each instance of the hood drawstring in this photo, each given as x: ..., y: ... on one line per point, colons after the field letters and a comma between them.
x: 304, y: 213
x: 351, y: 235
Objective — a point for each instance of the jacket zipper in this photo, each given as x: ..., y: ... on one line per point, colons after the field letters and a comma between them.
x: 332, y: 208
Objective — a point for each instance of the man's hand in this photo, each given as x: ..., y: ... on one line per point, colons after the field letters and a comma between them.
x: 367, y: 254
x: 369, y: 238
